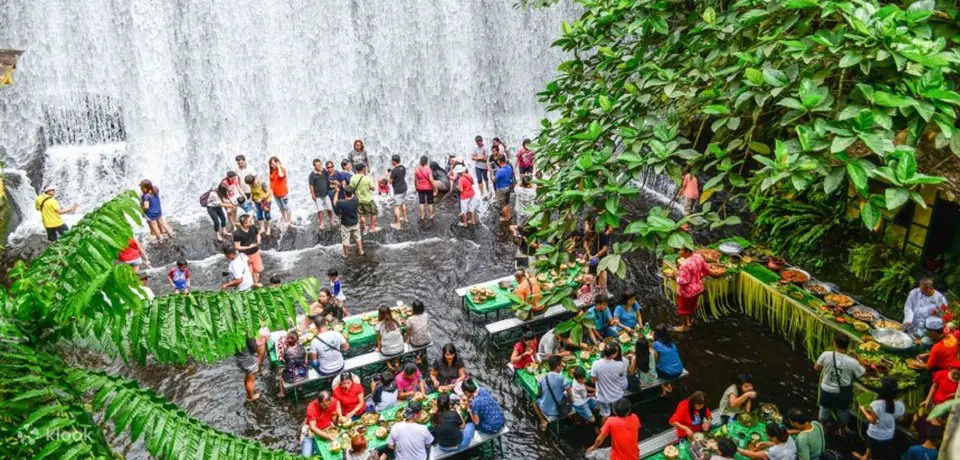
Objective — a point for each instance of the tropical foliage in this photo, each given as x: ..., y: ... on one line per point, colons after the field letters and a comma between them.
x: 74, y: 293
x: 769, y: 100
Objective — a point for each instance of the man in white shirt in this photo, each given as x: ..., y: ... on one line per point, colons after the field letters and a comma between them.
x: 408, y: 438
x: 838, y: 370
x: 922, y: 302
x: 244, y: 170
x: 239, y: 269
x: 326, y: 350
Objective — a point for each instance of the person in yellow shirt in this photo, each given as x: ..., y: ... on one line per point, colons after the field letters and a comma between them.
x: 50, y: 213
x: 260, y: 194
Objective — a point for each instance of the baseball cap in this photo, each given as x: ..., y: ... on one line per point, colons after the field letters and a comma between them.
x: 48, y: 188
x: 933, y: 323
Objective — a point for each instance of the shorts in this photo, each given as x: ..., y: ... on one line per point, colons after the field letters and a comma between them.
x: 662, y: 375
x: 482, y: 175
x: 687, y: 305
x: 263, y: 210
x: 469, y: 205
x: 255, y: 262
x: 282, y: 202
x: 368, y: 209
x: 248, y: 363
x: 605, y: 408
x: 881, y: 450
x: 397, y: 200
x: 526, y: 170
x: 425, y: 196
x: 246, y: 206
x: 347, y: 232
x: 53, y: 233
x: 323, y: 203
x: 135, y: 262
x: 585, y: 410
x: 154, y: 218
x: 689, y: 205
x: 503, y: 197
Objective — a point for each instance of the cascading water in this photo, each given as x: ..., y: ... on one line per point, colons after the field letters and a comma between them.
x: 115, y: 92
x: 660, y: 187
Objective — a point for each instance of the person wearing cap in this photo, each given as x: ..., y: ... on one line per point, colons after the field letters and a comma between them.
x: 922, y: 302
x: 943, y: 353
x: 408, y: 439
x: 51, y: 213
x: 468, y: 199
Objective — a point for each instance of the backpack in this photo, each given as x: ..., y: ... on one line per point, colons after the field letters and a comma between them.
x: 205, y: 198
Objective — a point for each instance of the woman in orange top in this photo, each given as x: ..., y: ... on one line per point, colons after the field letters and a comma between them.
x: 278, y: 185
x: 527, y: 290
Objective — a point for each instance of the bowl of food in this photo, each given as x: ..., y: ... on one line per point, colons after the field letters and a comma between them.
x: 338, y: 326
x: 506, y: 285
x: 717, y: 270
x: 370, y: 419
x: 730, y: 248
x: 892, y: 339
x: 709, y: 255
x: 861, y: 326
x: 531, y: 368
x: 355, y: 328
x: 335, y: 447
x: 569, y: 359
x: 838, y: 300
x: 884, y: 323
x: 698, y: 437
x: 795, y: 275
x: 381, y: 433
x: 671, y: 452
x: 817, y: 288
x: 914, y: 363
x: 862, y: 313
x: 585, y: 355
x: 869, y: 346
x: 344, y: 422
x: 625, y: 337
x: 419, y: 396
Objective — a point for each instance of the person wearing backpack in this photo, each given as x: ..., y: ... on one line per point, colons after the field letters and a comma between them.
x: 51, y: 212
x: 556, y: 394
x: 837, y: 372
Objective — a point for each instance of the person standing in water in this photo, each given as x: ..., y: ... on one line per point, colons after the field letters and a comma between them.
x: 246, y: 239
x: 150, y: 200
x: 51, y: 212
x: 479, y: 158
x: 244, y: 170
x: 363, y: 186
x: 320, y: 190
x: 358, y: 156
x: 260, y: 195
x: 426, y: 186
x: 348, y: 210
x: 525, y: 159
x: 689, y: 193
x: 278, y: 185
x: 468, y: 200
x: 235, y: 196
x: 398, y: 180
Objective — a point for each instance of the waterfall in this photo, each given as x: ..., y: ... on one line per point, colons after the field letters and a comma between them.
x: 115, y: 92
x: 660, y: 187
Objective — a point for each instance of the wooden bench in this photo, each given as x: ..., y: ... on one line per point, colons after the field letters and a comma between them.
x: 350, y: 365
x: 505, y: 325
x: 479, y: 439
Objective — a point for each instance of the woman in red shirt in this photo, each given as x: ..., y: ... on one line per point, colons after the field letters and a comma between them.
x: 423, y: 176
x: 133, y: 255
x: 278, y: 185
x: 349, y: 396
x: 692, y: 415
x: 525, y: 351
x: 944, y: 387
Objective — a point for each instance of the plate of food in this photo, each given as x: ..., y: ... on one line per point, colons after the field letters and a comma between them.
x: 839, y: 300
x: 370, y: 419
x: 625, y: 337
x: 914, y: 363
x: 698, y: 437
x: 338, y: 326
x: 861, y: 326
x: 671, y: 452
x: 381, y: 433
x: 862, y: 313
x: 869, y: 346
x: 795, y: 275
x: 709, y: 255
x: 355, y: 328
x: 335, y: 447
x: 506, y: 285
x: 817, y: 288
x: 531, y: 368
x: 717, y: 270
x: 481, y: 295
x: 585, y: 355
x: 884, y: 323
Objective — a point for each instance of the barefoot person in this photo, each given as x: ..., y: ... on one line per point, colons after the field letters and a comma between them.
x: 278, y: 185
x: 425, y: 185
x: 363, y: 187
x: 480, y: 159
x: 320, y: 190
x: 689, y: 286
x: 260, y: 196
x: 468, y: 199
x: 503, y: 181
x: 348, y: 209
x: 246, y: 239
x: 150, y: 200
x: 51, y: 212
x: 398, y: 180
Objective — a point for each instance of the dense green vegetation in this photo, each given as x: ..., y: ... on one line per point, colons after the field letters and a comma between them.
x: 799, y: 108
x: 74, y: 294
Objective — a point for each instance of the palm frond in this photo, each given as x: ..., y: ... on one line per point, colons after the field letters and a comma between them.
x: 203, y: 326
x: 168, y: 431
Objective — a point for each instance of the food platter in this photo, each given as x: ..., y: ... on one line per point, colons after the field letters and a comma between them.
x: 709, y: 255
x: 481, y: 295
x: 839, y: 300
x: 862, y: 313
x: 795, y: 275
x: 717, y: 270
x: 355, y: 328
x: 892, y: 339
x: 817, y: 288
x: 730, y: 248
x: 887, y: 324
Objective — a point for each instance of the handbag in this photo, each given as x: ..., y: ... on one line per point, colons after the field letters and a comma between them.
x: 845, y: 397
x: 565, y: 406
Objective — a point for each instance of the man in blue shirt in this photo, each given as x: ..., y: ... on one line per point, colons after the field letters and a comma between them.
x: 502, y: 181
x: 484, y: 411
x: 554, y: 389
x: 343, y: 177
x: 607, y: 325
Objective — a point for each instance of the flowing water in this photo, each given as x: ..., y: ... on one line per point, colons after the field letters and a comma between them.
x: 111, y: 92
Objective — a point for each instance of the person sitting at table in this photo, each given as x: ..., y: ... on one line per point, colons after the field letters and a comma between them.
x: 628, y: 312
x: 606, y: 324
x: 326, y: 350
x: 418, y: 326
x: 448, y: 370
x: 294, y: 361
x: 484, y: 411
x: 727, y: 448
x: 383, y: 393
x: 642, y: 371
x: 808, y: 434
x: 587, y: 293
x: 524, y: 351
x: 737, y: 398
x: 320, y: 413
x: 780, y: 447
x: 327, y: 307
x: 348, y: 392
x: 410, y: 381
x: 409, y: 439
x: 665, y: 353
x: 555, y: 343
x: 554, y: 389
x: 922, y: 302
x: 389, y: 334
x: 359, y: 451
x: 450, y: 430
x: 692, y: 415
x: 527, y: 290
